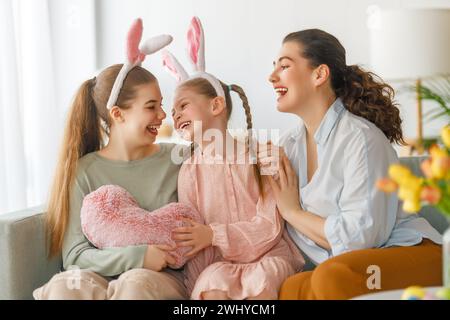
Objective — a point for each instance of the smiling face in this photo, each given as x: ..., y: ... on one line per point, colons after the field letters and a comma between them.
x: 189, y: 107
x: 140, y: 122
x: 292, y: 79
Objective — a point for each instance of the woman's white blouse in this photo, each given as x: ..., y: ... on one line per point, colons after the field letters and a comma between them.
x: 352, y: 154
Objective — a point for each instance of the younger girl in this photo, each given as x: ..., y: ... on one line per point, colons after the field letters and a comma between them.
x: 245, y: 253
x: 124, y: 103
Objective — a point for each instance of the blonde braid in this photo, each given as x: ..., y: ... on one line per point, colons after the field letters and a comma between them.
x: 248, y: 116
x: 245, y: 104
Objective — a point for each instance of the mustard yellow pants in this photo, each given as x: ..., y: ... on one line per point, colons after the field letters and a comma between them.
x: 368, y: 271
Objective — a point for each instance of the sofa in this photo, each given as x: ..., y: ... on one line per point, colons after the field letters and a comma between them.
x: 23, y: 261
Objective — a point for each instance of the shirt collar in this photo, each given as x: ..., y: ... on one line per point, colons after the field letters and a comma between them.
x: 326, y: 125
x: 297, y: 131
x: 328, y: 122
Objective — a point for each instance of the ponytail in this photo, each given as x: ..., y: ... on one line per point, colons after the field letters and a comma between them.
x: 366, y: 95
x: 82, y: 135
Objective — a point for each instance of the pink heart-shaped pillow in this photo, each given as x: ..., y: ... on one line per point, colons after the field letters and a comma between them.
x: 111, y: 217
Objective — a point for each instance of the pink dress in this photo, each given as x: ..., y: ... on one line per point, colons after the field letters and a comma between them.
x: 251, y: 251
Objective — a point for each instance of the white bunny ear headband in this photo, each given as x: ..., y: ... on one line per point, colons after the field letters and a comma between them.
x: 136, y: 53
x: 196, y: 53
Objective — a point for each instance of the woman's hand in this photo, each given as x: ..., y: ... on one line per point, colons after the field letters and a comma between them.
x: 285, y: 188
x: 157, y: 257
x: 286, y: 192
x: 196, y: 235
x: 268, y: 159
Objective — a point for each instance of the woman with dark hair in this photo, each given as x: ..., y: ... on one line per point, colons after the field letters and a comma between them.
x: 358, y: 237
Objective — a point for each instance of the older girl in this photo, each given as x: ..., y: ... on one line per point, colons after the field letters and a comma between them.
x: 110, y: 139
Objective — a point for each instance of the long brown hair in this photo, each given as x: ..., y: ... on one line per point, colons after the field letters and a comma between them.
x: 363, y: 93
x: 87, y: 125
x: 203, y: 87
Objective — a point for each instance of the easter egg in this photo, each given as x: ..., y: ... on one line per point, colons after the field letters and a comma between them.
x: 413, y: 293
x: 429, y: 296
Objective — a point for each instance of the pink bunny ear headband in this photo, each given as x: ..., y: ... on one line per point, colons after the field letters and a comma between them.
x: 136, y: 53
x: 196, y: 53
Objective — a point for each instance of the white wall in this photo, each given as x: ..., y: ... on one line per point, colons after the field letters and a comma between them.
x: 243, y: 38
x: 74, y: 45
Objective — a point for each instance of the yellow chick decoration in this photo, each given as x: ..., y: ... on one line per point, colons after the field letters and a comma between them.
x: 433, y: 190
x: 445, y: 134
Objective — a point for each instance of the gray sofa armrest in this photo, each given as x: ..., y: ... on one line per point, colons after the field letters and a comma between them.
x: 23, y: 263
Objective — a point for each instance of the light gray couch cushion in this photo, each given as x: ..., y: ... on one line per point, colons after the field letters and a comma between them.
x: 23, y: 262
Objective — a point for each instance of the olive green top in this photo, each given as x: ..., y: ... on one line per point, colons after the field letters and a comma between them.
x: 153, y: 183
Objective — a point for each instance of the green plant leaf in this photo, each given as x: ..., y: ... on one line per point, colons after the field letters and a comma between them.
x: 440, y: 115
x: 438, y: 90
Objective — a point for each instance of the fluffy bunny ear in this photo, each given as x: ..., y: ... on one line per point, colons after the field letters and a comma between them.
x: 172, y: 65
x: 196, y: 44
x: 134, y: 55
x: 155, y: 44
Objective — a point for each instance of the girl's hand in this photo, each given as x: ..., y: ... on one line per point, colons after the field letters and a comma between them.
x: 157, y: 257
x: 285, y: 189
x: 196, y: 235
